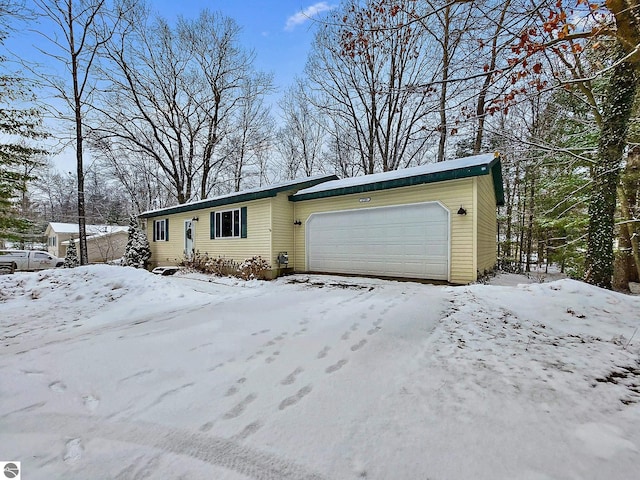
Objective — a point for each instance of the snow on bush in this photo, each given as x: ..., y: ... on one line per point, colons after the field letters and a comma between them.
x: 137, y: 252
x: 250, y: 269
x: 71, y: 259
x: 253, y: 268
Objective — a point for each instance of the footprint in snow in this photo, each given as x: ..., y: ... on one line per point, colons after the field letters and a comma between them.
x: 336, y: 366
x: 73, y: 451
x: 235, y: 388
x: 358, y: 345
x: 289, y: 379
x: 231, y: 391
x: 323, y: 353
x: 293, y: 399
x: 206, y: 427
x: 346, y: 335
x: 90, y: 402
x: 237, y: 410
x: 300, y: 332
x: 57, y: 387
x: 250, y: 429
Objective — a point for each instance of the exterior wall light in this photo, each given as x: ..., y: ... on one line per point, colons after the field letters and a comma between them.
x: 297, y: 222
x: 462, y: 211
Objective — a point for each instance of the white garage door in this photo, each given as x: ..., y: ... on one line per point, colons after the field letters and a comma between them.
x: 399, y: 241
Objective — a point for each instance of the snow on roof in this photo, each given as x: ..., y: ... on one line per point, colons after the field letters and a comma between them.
x: 91, y: 229
x: 275, y: 186
x: 95, y: 234
x: 449, y: 165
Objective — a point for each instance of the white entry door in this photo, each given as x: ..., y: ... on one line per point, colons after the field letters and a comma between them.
x: 188, y: 238
x: 399, y: 241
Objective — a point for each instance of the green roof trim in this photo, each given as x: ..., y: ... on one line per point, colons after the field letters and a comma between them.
x: 239, y: 197
x: 498, y: 185
x: 494, y: 168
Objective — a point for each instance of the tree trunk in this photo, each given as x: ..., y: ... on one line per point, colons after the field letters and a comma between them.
x: 82, y: 219
x: 443, y: 92
x: 602, y: 204
x: 482, y: 97
x: 530, y: 219
x: 627, y: 261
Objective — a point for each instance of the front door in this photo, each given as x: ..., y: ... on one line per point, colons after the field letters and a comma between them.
x: 188, y: 238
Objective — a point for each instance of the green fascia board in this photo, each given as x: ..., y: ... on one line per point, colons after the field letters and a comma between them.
x: 239, y: 198
x: 494, y: 168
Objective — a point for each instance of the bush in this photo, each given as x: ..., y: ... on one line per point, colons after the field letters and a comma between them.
x: 252, y: 268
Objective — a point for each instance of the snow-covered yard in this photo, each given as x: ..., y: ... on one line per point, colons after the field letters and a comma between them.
x: 114, y: 373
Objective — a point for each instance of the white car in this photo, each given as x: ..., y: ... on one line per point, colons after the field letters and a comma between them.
x: 28, y: 260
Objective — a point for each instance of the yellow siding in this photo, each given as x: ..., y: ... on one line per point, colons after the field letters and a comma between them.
x: 258, y: 241
x: 282, y: 218
x: 487, y: 224
x: 452, y: 194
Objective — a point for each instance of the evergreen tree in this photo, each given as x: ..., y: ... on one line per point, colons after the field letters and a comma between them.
x: 71, y: 259
x: 16, y: 126
x: 137, y: 251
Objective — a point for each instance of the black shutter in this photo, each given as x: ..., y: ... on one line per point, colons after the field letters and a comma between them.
x: 154, y: 230
x: 212, y: 225
x: 243, y: 222
x: 166, y: 232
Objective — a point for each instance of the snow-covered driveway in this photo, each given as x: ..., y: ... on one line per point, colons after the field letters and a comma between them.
x: 109, y: 372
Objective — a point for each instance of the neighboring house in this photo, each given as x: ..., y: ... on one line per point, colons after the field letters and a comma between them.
x: 104, y: 242
x: 435, y: 221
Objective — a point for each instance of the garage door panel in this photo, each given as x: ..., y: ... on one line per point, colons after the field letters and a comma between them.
x: 404, y: 241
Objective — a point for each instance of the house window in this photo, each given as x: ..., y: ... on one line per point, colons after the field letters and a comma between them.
x: 229, y: 223
x: 52, y: 241
x: 161, y: 230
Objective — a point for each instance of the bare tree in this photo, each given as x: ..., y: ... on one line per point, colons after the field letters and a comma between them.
x: 81, y: 28
x: 448, y: 27
x: 245, y: 146
x: 301, y: 138
x: 174, y: 95
x: 365, y: 65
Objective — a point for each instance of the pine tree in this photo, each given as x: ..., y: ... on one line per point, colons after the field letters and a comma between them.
x: 18, y: 125
x: 137, y: 251
x: 71, y: 259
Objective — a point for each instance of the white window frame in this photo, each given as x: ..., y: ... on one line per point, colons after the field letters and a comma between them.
x: 160, y: 232
x: 236, y: 228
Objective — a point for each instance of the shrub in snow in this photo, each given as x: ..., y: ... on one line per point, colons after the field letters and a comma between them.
x: 71, y: 259
x: 137, y: 252
x: 254, y: 267
x: 202, y: 262
x: 251, y: 268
